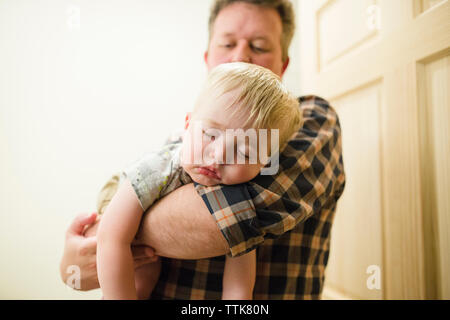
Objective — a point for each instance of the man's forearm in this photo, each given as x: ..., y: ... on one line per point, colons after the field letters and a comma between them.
x: 180, y: 226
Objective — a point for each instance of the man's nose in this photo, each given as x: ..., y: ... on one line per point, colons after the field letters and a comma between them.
x: 242, y: 53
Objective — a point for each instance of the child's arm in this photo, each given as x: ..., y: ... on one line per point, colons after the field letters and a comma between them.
x: 239, y: 277
x: 146, y: 277
x: 117, y: 230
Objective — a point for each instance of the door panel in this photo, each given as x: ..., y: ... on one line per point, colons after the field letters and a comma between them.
x: 434, y: 80
x: 384, y: 66
x: 359, y: 208
x: 337, y: 36
x: 423, y: 5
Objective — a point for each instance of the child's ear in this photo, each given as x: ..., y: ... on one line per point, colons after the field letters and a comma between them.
x: 187, y: 120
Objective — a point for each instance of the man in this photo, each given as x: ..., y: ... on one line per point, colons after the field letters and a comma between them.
x: 286, y: 217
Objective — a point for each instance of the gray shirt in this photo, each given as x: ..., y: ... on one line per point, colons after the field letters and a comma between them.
x: 156, y: 174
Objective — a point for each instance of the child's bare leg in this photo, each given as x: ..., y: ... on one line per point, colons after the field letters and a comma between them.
x: 145, y: 279
x: 239, y: 277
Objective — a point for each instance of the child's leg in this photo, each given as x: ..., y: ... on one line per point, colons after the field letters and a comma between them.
x: 145, y: 279
x: 239, y: 277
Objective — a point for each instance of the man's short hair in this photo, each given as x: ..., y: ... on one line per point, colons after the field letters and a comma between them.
x: 283, y: 7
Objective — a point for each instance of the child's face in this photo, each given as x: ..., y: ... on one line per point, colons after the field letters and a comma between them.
x: 211, y: 150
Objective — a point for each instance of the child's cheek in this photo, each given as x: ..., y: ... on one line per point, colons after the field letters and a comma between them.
x: 241, y: 173
x: 191, y: 151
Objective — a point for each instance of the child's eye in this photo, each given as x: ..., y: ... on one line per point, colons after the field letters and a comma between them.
x: 208, y: 135
x: 243, y: 153
x: 246, y: 156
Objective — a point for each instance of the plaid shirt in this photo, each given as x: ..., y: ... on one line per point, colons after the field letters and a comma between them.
x: 286, y: 217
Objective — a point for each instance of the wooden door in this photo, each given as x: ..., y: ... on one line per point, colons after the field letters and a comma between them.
x: 385, y: 67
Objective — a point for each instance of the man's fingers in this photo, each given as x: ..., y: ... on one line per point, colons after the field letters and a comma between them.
x: 143, y: 255
x: 140, y: 252
x: 89, y: 246
x: 91, y: 229
x: 80, y: 221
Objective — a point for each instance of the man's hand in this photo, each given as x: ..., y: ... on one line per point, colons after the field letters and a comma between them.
x: 80, y: 251
x: 81, y: 247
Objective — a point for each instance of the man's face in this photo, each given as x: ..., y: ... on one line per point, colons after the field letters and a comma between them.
x: 249, y: 33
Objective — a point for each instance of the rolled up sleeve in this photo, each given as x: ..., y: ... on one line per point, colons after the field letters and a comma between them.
x: 149, y: 175
x: 235, y: 215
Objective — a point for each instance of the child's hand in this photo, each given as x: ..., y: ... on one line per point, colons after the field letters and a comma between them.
x: 142, y: 255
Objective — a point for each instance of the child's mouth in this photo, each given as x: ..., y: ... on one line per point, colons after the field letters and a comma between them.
x: 209, y: 172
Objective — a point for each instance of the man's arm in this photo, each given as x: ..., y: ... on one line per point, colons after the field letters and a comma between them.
x: 180, y: 226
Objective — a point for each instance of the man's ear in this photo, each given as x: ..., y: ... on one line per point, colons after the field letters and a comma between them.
x: 285, y: 65
x: 187, y: 120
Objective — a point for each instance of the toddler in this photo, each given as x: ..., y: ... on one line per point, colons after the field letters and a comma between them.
x: 242, y: 119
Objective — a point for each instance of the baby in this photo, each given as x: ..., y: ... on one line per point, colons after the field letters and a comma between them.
x: 242, y: 112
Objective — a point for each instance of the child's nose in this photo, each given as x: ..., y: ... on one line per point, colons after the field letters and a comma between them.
x: 216, y: 151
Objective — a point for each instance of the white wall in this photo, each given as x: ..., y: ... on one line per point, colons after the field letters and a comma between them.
x: 85, y: 88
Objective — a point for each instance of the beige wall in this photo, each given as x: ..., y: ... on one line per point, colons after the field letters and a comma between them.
x: 85, y: 88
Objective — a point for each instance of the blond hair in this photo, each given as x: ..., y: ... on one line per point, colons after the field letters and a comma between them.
x: 283, y: 7
x: 260, y: 95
